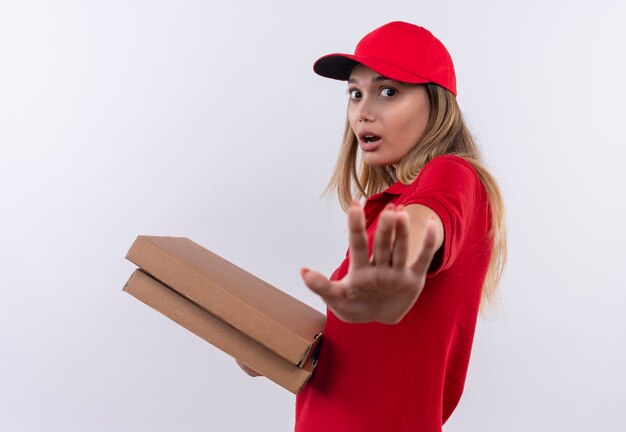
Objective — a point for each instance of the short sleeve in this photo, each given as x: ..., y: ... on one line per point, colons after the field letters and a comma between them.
x: 448, y: 185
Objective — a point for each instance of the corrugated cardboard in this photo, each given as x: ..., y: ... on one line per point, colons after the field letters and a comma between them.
x: 225, y: 337
x: 272, y: 318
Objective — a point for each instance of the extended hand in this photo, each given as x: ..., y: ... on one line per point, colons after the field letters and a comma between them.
x: 385, y: 287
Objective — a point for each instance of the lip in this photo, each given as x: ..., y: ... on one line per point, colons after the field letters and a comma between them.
x: 368, y: 146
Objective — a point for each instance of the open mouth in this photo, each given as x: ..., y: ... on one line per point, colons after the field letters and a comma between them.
x: 370, y: 138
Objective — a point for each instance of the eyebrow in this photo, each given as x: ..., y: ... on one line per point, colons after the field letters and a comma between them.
x: 375, y: 79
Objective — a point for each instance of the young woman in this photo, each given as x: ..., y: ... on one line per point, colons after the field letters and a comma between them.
x: 424, y: 253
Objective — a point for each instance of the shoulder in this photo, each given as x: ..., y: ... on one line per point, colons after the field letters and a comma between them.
x: 450, y: 163
x: 448, y: 183
x: 447, y: 172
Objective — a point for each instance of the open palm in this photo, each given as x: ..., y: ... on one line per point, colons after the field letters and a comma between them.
x: 386, y: 286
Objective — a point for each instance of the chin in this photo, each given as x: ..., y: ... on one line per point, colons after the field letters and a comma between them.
x: 371, y: 158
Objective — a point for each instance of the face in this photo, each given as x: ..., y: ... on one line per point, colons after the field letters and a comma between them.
x: 387, y: 116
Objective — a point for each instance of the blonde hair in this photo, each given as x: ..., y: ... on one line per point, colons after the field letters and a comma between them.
x: 445, y: 134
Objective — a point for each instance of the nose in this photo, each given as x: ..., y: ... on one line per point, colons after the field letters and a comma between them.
x: 365, y: 112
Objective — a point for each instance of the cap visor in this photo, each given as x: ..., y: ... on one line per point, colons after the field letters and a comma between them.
x: 335, y: 66
x: 339, y: 66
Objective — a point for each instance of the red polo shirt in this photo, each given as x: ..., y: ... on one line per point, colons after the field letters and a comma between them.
x: 408, y: 376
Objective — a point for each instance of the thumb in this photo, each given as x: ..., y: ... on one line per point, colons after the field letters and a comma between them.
x: 316, y: 282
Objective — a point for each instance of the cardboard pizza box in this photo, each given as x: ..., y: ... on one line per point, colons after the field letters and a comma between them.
x: 218, y: 333
x: 270, y: 317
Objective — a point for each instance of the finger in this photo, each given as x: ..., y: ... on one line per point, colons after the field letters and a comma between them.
x: 331, y: 292
x: 383, y: 236
x: 248, y: 369
x: 401, y: 243
x: 357, y: 236
x: 425, y: 255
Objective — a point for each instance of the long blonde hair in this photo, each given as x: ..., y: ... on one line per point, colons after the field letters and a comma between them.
x: 445, y: 134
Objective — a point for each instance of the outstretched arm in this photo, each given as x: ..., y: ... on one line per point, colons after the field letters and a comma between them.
x: 385, y: 287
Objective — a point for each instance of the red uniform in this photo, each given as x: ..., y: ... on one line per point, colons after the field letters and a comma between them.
x: 408, y: 376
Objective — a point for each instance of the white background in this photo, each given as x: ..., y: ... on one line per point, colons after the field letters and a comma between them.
x: 205, y: 120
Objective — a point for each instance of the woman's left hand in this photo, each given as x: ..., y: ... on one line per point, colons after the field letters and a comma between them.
x: 385, y: 287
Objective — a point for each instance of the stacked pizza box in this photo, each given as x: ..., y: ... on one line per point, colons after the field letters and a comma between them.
x: 244, y: 316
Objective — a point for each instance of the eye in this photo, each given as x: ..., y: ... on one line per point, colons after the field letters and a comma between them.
x: 354, y: 94
x: 387, y: 91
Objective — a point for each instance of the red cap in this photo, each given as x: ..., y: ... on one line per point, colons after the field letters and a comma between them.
x: 398, y: 50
